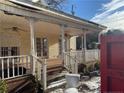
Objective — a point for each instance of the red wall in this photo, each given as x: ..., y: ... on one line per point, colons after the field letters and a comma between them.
x: 112, y: 63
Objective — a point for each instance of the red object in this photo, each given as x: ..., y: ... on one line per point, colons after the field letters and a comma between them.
x: 112, y: 63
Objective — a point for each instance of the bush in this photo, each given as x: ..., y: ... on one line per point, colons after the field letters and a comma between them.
x: 3, y: 86
x: 97, y: 66
x: 90, y: 68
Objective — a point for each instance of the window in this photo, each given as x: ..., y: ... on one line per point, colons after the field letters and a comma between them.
x: 60, y: 46
x: 9, y: 51
x: 39, y: 46
x: 79, y: 43
x: 42, y: 47
x: 45, y: 47
x: 14, y: 51
x: 4, y: 51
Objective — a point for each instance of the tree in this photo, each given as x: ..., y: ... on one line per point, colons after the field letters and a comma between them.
x: 92, y: 39
x: 56, y: 4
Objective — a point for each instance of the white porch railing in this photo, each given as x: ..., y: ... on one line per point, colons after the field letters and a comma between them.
x: 79, y: 55
x: 92, y: 55
x: 71, y: 62
x: 70, y: 58
x: 14, y: 66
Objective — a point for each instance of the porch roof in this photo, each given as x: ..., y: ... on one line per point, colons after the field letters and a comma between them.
x: 48, y: 15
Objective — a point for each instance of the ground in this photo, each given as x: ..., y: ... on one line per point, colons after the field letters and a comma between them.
x: 86, y: 86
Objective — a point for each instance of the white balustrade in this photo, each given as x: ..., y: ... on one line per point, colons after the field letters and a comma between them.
x: 73, y: 58
x: 14, y: 66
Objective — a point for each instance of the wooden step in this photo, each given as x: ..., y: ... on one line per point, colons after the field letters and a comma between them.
x: 54, y: 70
x: 56, y: 81
x: 20, y: 84
x: 28, y: 87
x: 22, y: 87
x: 52, y: 63
x: 54, y: 78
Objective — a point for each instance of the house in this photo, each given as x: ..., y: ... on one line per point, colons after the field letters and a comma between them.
x: 34, y: 39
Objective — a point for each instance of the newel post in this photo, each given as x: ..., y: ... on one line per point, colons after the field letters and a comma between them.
x: 45, y: 75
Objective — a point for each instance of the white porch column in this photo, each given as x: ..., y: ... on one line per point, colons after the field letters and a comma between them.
x: 63, y: 40
x: 83, y: 50
x: 82, y: 39
x: 32, y: 38
x: 68, y: 43
x: 85, y: 46
x: 85, y: 41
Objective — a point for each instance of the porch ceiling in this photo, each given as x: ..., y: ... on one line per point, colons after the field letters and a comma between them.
x: 73, y: 32
x: 9, y: 21
x: 47, y: 28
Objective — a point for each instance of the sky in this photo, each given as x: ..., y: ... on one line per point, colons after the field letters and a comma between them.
x: 106, y: 12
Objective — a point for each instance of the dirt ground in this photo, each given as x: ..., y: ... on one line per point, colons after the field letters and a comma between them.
x: 86, y: 86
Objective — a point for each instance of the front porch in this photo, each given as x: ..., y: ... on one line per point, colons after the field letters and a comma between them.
x: 31, y: 47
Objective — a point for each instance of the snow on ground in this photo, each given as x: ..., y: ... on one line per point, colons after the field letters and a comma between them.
x: 89, y: 86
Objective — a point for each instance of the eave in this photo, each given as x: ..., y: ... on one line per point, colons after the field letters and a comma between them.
x: 49, y: 16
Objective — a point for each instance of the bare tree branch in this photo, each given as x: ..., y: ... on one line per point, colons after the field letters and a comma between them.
x: 56, y: 4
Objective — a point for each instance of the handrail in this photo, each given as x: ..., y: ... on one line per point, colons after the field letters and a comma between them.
x: 14, y: 56
x: 74, y: 58
x: 87, y: 55
x: 74, y: 51
x: 39, y: 59
x: 72, y: 68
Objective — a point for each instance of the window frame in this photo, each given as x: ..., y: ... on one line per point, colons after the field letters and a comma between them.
x: 42, y: 47
x: 7, y: 51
